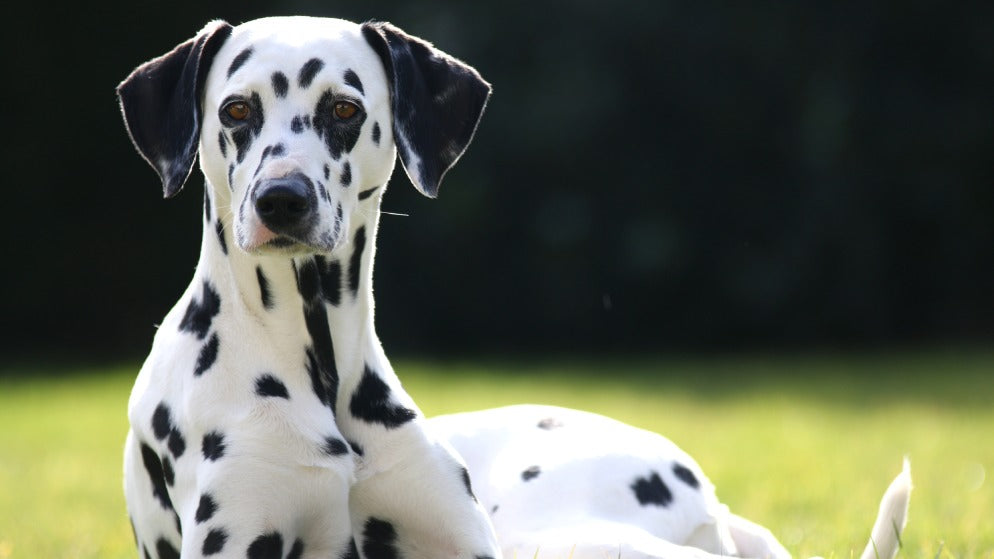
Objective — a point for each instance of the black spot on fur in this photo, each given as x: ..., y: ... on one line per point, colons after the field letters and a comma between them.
x: 213, y: 446
x: 206, y: 508
x: 207, y: 206
x: 155, y: 474
x: 214, y: 542
x: 331, y: 280
x: 280, y: 84
x: 222, y: 142
x: 231, y: 170
x: 208, y: 355
x: 346, y: 178
x: 327, y: 172
x: 355, y: 262
x: 239, y: 61
x: 321, y: 355
x: 339, y: 136
x: 264, y: 293
x: 367, y: 193
x: 356, y: 448
x: 376, y: 133
x: 352, y: 79
x: 467, y: 482
x: 269, y: 386
x: 167, y: 471
x: 201, y: 312
x: 371, y: 402
x: 296, y: 125
x: 308, y: 71
x: 166, y: 549
x: 531, y: 473
x: 652, y: 491
x: 334, y: 446
x: 550, y: 423
x: 379, y: 539
x: 351, y: 552
x: 297, y: 551
x: 484, y: 557
x: 243, y: 132
x: 684, y: 474
x: 278, y: 150
x: 494, y: 509
x: 323, y: 192
x: 268, y: 546
x: 147, y: 554
x: 176, y: 443
x: 219, y: 228
x: 162, y: 421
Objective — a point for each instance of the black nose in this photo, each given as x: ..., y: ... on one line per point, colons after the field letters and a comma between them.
x: 286, y: 204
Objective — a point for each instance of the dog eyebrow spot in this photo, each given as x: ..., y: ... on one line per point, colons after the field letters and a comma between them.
x: 239, y: 61
x: 352, y: 79
x: 280, y: 84
x: 308, y: 71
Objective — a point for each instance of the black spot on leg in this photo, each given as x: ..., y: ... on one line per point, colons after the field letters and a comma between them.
x: 264, y: 293
x: 219, y: 228
x: 371, y: 402
x: 346, y: 177
x: 367, y: 193
x: 333, y: 446
x: 213, y: 446
x: 208, y: 355
x: 308, y: 71
x: 376, y: 133
x: 155, y: 474
x: 280, y: 84
x: 352, y: 79
x: 355, y: 262
x: 166, y: 549
x: 531, y: 473
x: 214, y: 542
x: 239, y: 61
x: 269, y: 386
x: 297, y: 551
x: 684, y: 474
x: 652, y: 491
x: 206, y: 508
x: 268, y: 546
x: 379, y: 539
x: 201, y: 312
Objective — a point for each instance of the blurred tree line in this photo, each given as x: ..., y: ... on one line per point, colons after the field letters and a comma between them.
x: 649, y: 176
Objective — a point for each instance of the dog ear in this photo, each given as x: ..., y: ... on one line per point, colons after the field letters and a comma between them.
x: 437, y: 102
x: 160, y: 102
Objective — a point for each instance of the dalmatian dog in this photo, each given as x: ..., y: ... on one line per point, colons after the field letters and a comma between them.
x: 267, y: 422
x: 567, y: 484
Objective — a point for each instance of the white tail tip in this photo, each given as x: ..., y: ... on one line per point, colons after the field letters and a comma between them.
x: 885, y: 539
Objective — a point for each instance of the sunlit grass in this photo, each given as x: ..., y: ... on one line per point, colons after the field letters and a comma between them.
x: 804, y: 445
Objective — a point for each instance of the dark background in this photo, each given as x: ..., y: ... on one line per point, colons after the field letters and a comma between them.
x: 650, y: 176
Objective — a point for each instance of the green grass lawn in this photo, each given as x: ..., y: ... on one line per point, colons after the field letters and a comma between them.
x: 805, y: 445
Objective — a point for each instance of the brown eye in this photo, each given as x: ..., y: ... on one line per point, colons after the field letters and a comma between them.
x: 237, y: 110
x: 345, y: 110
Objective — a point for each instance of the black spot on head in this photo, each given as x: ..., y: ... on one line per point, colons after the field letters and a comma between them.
x: 652, y: 491
x: 267, y: 546
x: 371, y: 402
x: 267, y: 297
x: 467, y: 482
x: 269, y: 386
x: 346, y: 178
x: 549, y: 423
x: 231, y: 170
x: 376, y: 133
x: 213, y: 446
x: 308, y: 71
x: 239, y: 61
x: 176, y: 443
x: 297, y: 550
x: 166, y: 549
x: 208, y: 355
x: 162, y: 421
x: 531, y: 473
x: 222, y: 142
x: 331, y: 280
x: 206, y: 508
x: 339, y: 136
x: 379, y: 539
x: 334, y: 446
x: 367, y: 193
x: 243, y: 133
x: 278, y: 150
x: 352, y: 79
x: 355, y: 262
x: 684, y: 474
x: 280, y: 84
x: 296, y: 125
x: 219, y: 228
x: 167, y: 471
x: 214, y: 542
x: 201, y: 312
x: 155, y: 474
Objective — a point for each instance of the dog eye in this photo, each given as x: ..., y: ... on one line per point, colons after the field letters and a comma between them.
x: 345, y: 110
x: 237, y: 110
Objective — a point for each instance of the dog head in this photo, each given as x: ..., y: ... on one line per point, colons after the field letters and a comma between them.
x: 297, y: 120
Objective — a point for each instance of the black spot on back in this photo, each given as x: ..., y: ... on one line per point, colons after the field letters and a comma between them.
x: 376, y: 133
x: 166, y: 549
x: 334, y: 446
x: 214, y: 542
x: 352, y: 79
x: 297, y: 550
x: 264, y: 293
x: 239, y: 61
x: 201, y: 312
x: 684, y: 474
x: 379, y: 539
x: 267, y: 546
x: 156, y: 476
x: 371, y: 402
x: 367, y: 193
x: 531, y: 473
x: 280, y: 84
x: 269, y: 386
x: 208, y: 355
x: 346, y: 178
x: 355, y: 262
x: 652, y: 491
x: 206, y: 508
x: 213, y: 446
x: 308, y: 71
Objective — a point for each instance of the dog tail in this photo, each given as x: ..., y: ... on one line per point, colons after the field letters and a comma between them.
x: 885, y: 539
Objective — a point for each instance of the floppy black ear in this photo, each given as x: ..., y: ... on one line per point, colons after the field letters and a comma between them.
x: 437, y: 102
x: 160, y: 102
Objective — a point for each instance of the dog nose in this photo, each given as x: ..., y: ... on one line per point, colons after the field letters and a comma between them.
x: 284, y: 204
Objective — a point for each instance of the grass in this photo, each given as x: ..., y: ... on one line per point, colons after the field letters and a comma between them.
x: 805, y: 445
